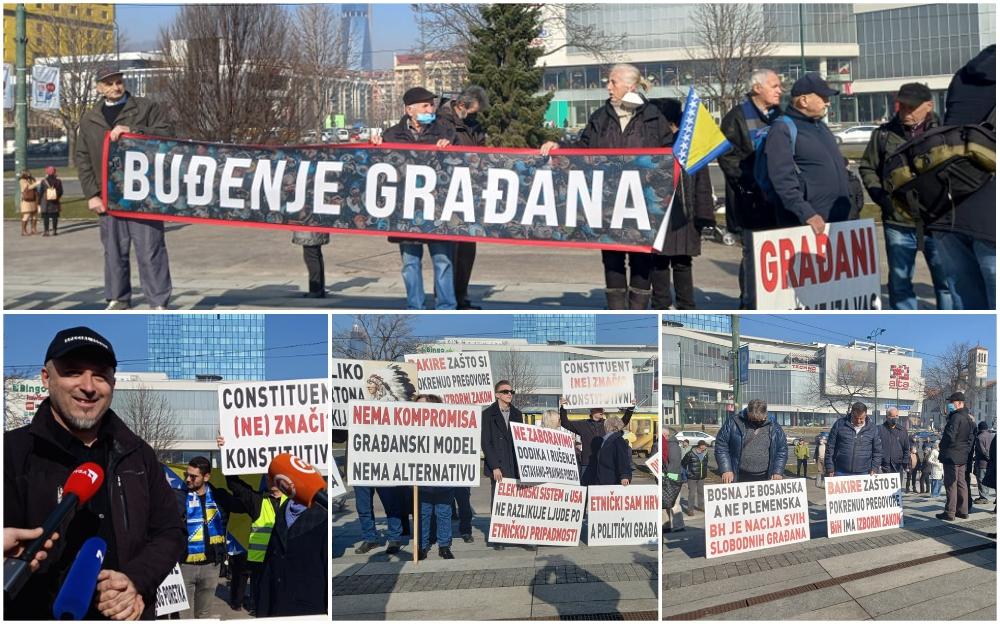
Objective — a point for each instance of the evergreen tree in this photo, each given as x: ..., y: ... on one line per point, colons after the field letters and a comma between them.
x: 503, y: 61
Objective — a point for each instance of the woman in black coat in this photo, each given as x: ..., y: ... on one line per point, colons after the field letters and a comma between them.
x: 614, y: 457
x: 294, y: 578
x: 692, y: 211
x: 626, y: 120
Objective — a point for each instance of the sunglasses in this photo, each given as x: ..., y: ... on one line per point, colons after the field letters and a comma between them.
x: 188, y: 475
x: 505, y: 392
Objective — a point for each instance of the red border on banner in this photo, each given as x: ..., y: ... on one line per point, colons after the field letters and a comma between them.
x: 152, y: 216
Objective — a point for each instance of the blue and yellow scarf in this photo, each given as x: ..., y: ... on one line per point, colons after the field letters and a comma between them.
x: 196, y: 526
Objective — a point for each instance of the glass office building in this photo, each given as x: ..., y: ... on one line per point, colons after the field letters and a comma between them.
x: 577, y: 329
x: 721, y: 323
x: 186, y: 346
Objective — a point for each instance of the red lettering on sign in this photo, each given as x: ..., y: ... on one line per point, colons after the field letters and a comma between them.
x: 786, y: 251
x: 769, y: 277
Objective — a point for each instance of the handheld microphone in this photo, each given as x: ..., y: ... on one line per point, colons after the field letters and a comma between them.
x: 77, y: 590
x: 81, y: 485
x: 298, y: 480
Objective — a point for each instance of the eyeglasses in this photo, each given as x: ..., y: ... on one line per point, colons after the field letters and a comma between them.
x: 188, y: 475
x: 505, y: 392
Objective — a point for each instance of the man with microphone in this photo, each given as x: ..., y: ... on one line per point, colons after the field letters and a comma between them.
x: 134, y: 511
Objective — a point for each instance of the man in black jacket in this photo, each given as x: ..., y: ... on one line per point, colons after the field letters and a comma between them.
x: 591, y: 432
x: 458, y: 117
x: 895, y: 446
x: 956, y: 445
x: 497, y: 442
x: 747, y: 210
x: 134, y: 511
x: 967, y: 238
x: 982, y: 458
x: 809, y: 178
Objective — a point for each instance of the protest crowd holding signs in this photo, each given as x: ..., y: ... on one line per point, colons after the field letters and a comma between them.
x: 597, y: 383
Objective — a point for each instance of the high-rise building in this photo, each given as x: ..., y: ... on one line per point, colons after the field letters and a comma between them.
x: 60, y: 30
x: 719, y: 323
x: 356, y: 36
x: 186, y: 346
x: 574, y: 329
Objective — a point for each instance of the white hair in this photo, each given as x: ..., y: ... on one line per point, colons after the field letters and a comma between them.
x: 631, y: 75
x: 760, y: 76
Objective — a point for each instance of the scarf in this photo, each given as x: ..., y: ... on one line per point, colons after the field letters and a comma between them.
x: 293, y: 511
x: 196, y: 523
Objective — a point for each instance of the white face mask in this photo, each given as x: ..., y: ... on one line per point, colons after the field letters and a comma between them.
x: 632, y: 101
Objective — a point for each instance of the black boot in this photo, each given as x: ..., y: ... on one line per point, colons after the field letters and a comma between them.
x: 617, y: 298
x: 638, y: 299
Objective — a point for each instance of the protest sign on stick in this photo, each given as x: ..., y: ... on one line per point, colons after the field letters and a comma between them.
x: 413, y: 444
x: 619, y: 515
x: 463, y: 377
x: 336, y: 484
x: 795, y: 268
x: 597, y: 383
x: 741, y: 517
x: 262, y: 419
x: 545, y: 455
x: 546, y: 515
x: 653, y: 463
x: 171, y: 595
x: 368, y: 380
x: 863, y: 503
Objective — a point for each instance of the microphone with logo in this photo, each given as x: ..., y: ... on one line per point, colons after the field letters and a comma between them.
x: 298, y: 480
x: 77, y: 591
x: 81, y: 485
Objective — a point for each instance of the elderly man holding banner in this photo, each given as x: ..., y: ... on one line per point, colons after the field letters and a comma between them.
x: 751, y: 447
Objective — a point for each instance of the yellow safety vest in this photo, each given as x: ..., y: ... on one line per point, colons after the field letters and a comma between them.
x: 260, y: 530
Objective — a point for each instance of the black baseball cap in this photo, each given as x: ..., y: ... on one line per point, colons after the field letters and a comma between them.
x: 914, y: 94
x: 812, y: 83
x: 77, y: 338
x: 957, y: 396
x: 417, y: 95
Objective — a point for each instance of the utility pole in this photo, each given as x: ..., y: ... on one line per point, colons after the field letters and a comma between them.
x: 802, y: 41
x: 21, y: 101
x: 737, y: 388
x: 680, y: 390
x: 874, y: 336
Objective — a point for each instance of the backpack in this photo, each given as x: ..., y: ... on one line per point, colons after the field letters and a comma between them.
x: 51, y: 193
x: 933, y: 173
x: 760, y: 175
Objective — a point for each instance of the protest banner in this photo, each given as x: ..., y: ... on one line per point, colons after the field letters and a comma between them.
x: 45, y: 88
x: 545, y: 455
x: 545, y: 515
x: 368, y: 380
x: 261, y: 419
x: 336, y: 484
x: 741, y: 517
x: 653, y: 463
x: 462, y: 377
x: 796, y: 269
x: 597, y: 383
x: 171, y: 596
x: 413, y: 444
x: 863, y: 503
x: 604, y: 199
x: 619, y: 515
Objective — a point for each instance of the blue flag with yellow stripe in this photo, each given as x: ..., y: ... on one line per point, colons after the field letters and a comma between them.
x: 699, y: 138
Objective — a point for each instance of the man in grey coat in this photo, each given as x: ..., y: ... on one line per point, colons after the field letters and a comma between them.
x: 118, y: 113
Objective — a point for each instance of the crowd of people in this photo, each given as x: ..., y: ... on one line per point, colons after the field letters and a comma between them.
x: 147, y: 526
x: 753, y: 447
x: 604, y: 457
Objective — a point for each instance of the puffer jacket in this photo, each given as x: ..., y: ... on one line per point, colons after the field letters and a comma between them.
x: 895, y: 448
x: 729, y: 446
x: 853, y: 451
x: 936, y: 467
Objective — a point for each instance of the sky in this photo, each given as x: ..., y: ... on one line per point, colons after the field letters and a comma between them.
x: 393, y: 27
x: 26, y: 338
x: 632, y: 329
x: 928, y: 334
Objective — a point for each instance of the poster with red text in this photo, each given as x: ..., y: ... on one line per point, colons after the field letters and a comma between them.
x: 742, y: 517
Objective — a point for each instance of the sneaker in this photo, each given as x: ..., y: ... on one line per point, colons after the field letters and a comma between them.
x: 392, y: 547
x: 365, y: 547
x: 114, y: 304
x: 944, y: 516
x: 445, y: 553
x: 467, y: 538
x: 421, y: 554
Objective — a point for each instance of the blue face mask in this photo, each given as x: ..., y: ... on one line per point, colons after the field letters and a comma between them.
x: 951, y: 407
x: 426, y: 118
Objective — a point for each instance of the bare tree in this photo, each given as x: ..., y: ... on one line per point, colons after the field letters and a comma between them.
x: 954, y: 371
x: 22, y: 392
x: 149, y: 415
x: 731, y: 40
x: 79, y: 53
x: 449, y: 27
x: 385, y: 337
x: 516, y: 368
x: 320, y: 61
x: 839, y: 388
x: 232, y: 74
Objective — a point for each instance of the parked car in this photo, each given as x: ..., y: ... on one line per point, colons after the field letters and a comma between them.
x: 694, y: 437
x: 857, y: 134
x: 343, y: 135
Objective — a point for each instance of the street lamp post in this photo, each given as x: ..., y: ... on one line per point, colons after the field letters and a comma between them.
x: 874, y: 337
x: 680, y: 390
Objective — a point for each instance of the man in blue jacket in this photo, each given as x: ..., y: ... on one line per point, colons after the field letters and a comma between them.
x: 751, y: 447
x: 809, y: 177
x: 854, y: 446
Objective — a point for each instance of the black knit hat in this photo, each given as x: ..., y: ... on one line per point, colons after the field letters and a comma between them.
x: 914, y: 94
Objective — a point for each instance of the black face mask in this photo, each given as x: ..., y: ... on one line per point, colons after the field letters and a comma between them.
x: 891, y: 422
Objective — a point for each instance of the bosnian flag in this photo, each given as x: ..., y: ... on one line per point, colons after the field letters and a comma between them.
x: 699, y: 139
